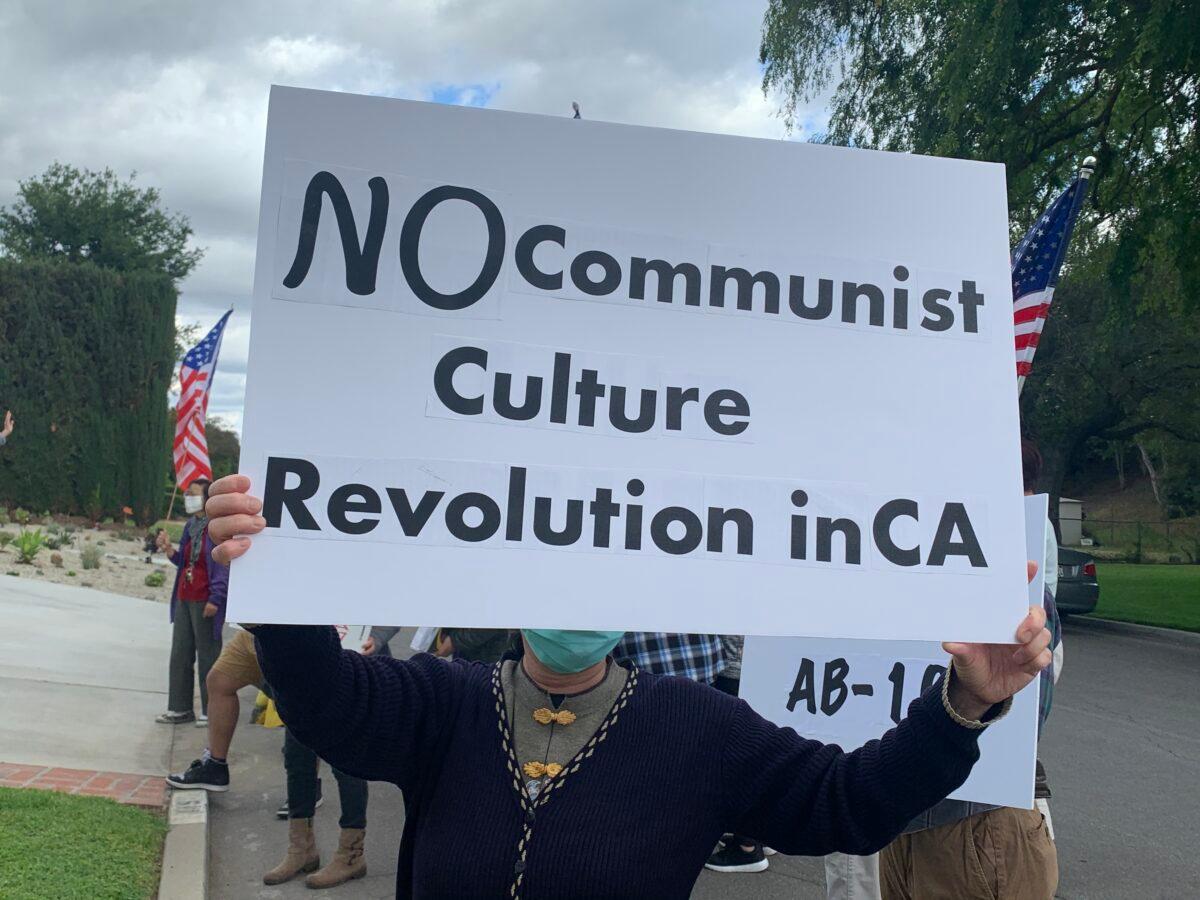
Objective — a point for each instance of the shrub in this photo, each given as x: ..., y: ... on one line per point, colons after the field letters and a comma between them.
x: 90, y: 351
x: 56, y: 560
x: 29, y: 544
x: 90, y: 557
x: 21, y: 516
x: 53, y: 541
x: 5, y: 538
x: 4, y: 519
x: 156, y: 579
x: 70, y: 573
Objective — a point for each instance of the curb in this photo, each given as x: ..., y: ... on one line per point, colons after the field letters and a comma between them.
x: 1130, y: 629
x: 185, y: 852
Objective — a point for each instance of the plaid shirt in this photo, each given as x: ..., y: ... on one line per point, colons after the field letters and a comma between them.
x: 948, y: 811
x: 694, y: 656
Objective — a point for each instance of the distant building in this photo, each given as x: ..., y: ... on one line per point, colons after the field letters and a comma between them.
x: 1070, y: 521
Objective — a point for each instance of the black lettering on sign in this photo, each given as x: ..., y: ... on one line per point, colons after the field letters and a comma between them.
x: 277, y: 496
x: 410, y: 242
x: 362, y: 263
x: 882, y: 531
x: 833, y: 689
x: 803, y: 689
x: 955, y: 518
x: 896, y: 677
x: 353, y: 498
x: 932, y: 673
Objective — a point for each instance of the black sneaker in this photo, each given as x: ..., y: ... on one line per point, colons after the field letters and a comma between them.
x: 282, y: 812
x: 732, y: 858
x: 203, y: 774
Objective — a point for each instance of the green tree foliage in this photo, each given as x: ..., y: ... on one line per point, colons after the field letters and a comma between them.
x: 1113, y: 367
x: 224, y: 449
x: 1038, y: 86
x: 84, y: 216
x: 1035, y: 85
x: 85, y: 361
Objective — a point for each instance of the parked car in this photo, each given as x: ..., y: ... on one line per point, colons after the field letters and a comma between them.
x: 1078, y: 589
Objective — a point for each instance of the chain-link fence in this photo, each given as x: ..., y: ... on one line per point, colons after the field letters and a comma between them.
x: 1133, y: 541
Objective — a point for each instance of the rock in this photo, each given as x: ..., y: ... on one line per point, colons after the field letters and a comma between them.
x: 56, y: 560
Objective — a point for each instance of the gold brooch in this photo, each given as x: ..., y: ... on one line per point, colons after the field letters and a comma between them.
x: 545, y: 716
x: 538, y: 769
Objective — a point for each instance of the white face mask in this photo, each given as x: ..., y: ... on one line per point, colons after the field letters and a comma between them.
x: 192, y: 504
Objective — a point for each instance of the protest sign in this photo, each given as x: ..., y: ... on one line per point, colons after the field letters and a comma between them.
x: 541, y: 372
x: 848, y: 692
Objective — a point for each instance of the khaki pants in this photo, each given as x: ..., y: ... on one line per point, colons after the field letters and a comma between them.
x: 1002, y: 854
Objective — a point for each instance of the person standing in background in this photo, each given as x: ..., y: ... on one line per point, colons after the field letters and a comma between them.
x: 8, y: 427
x: 971, y: 850
x: 697, y: 657
x: 736, y: 852
x: 197, y: 610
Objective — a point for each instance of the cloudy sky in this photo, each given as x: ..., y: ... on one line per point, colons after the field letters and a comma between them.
x: 178, y: 93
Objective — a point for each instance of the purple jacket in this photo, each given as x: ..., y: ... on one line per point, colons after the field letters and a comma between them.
x: 218, y: 578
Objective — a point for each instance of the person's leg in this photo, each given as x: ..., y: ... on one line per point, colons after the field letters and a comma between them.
x: 849, y: 877
x: 952, y: 862
x: 349, y: 861
x: 1017, y: 853
x: 223, y: 711
x: 895, y: 869
x: 740, y: 853
x: 235, y: 668
x: 300, y: 763
x: 180, y: 683
x: 301, y: 767
x: 352, y: 792
x: 208, y: 648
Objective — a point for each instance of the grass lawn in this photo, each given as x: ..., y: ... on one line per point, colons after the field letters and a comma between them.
x: 1168, y: 596
x: 56, y: 845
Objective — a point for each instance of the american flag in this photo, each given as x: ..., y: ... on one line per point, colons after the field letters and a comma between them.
x: 1035, y: 264
x: 195, y: 379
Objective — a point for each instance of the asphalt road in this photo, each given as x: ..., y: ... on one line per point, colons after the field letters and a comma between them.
x: 1122, y: 748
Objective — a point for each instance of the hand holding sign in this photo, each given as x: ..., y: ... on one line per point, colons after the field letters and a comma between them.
x: 989, y: 673
x: 233, y: 515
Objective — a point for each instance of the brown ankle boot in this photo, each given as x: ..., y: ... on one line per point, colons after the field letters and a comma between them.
x: 301, y: 853
x: 348, y: 862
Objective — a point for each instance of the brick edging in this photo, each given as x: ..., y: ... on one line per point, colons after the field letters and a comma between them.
x: 147, y: 791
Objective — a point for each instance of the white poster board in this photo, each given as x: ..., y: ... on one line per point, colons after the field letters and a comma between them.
x: 849, y: 692
x: 475, y: 384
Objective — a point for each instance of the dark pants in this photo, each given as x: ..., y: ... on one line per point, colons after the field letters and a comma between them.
x: 301, y: 766
x: 727, y: 685
x: 193, y: 648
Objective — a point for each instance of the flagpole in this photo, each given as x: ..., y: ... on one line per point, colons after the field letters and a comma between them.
x: 171, y: 506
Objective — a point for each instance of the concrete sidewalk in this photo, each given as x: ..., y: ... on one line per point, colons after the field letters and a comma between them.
x: 83, y: 673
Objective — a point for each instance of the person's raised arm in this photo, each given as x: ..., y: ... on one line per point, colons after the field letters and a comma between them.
x: 376, y: 718
x: 803, y: 797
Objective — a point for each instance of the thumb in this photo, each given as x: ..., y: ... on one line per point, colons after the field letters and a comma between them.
x: 966, y: 656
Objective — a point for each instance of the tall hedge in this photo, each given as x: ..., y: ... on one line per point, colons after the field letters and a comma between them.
x: 85, y: 364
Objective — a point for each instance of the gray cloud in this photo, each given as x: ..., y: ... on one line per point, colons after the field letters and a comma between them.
x: 178, y: 92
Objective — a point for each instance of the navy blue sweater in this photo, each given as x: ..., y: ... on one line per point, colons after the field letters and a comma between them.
x: 636, y: 814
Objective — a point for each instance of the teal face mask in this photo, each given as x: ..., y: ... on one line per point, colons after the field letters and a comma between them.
x: 566, y: 652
